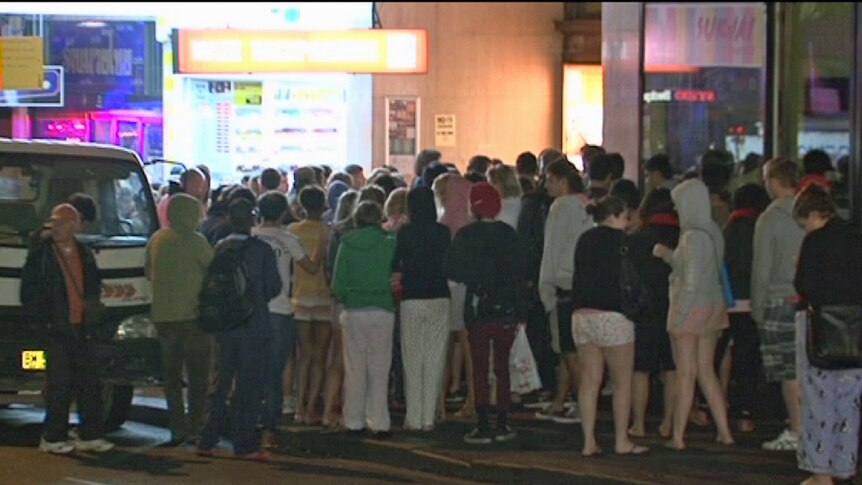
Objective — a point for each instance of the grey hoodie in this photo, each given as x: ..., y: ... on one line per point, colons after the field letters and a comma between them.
x: 777, y: 240
x: 695, y: 278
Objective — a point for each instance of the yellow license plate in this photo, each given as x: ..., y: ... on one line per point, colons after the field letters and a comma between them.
x: 33, y: 359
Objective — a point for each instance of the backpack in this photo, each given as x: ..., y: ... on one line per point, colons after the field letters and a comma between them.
x: 226, y: 301
x: 635, y: 297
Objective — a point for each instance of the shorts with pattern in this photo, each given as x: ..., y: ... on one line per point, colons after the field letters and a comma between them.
x: 778, y: 340
x: 605, y: 329
x: 312, y: 313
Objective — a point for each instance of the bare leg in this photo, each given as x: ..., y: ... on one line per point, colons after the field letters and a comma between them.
x: 640, y: 399
x: 334, y: 379
x: 457, y: 363
x: 573, y: 372
x: 790, y: 390
x: 685, y: 357
x: 666, y: 426
x: 564, y: 383
x: 320, y: 340
x: 710, y: 385
x: 306, y: 355
x: 621, y: 362
x: 592, y: 366
x: 290, y: 372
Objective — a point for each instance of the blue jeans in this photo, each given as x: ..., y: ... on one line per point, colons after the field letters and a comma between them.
x: 281, y: 345
x: 242, y: 355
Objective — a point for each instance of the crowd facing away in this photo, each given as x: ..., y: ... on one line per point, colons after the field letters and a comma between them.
x: 342, y: 296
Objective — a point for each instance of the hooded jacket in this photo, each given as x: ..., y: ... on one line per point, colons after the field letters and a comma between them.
x: 363, y: 268
x: 697, y: 260
x: 177, y: 258
x: 422, y: 244
x: 456, y: 209
x: 777, y: 240
x: 567, y: 221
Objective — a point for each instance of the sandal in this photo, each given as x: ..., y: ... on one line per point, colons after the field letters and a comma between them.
x: 466, y: 412
x: 634, y: 451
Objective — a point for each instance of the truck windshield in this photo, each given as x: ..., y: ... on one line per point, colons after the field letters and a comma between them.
x: 31, y: 185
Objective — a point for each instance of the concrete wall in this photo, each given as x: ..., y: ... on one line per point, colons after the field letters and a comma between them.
x: 496, y: 66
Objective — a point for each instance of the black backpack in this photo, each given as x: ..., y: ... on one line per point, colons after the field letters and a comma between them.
x: 226, y: 301
x: 634, y: 293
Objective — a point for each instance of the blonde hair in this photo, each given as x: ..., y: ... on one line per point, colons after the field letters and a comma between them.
x: 503, y: 178
x: 396, y: 203
x: 440, y: 186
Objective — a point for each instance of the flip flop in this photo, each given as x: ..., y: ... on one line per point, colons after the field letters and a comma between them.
x: 635, y: 451
x: 595, y: 454
x: 669, y: 445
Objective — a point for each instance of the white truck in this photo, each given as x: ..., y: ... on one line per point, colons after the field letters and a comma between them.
x: 34, y: 177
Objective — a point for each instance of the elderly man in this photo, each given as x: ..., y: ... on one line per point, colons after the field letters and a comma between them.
x: 60, y: 289
x: 192, y: 182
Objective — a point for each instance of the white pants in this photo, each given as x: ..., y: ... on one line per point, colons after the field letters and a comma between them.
x: 367, y: 337
x: 424, y: 335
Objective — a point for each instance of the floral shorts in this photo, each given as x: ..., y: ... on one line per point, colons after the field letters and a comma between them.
x: 605, y: 329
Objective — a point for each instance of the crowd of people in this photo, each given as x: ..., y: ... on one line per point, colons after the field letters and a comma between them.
x: 410, y: 289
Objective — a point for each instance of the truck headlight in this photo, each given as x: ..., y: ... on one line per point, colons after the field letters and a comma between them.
x: 136, y: 326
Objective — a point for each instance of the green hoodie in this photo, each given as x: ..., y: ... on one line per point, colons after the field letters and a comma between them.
x: 177, y: 261
x: 363, y: 269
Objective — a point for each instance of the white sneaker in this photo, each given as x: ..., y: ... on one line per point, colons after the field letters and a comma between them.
x: 99, y: 445
x: 56, y: 447
x: 289, y: 405
x: 786, y: 441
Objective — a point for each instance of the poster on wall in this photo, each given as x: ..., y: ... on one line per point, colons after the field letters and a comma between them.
x: 444, y: 130
x: 402, y: 132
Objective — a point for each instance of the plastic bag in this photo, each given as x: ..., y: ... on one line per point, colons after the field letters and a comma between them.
x: 523, y: 372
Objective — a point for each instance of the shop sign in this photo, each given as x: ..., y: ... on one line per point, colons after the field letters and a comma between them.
x: 355, y: 51
x: 732, y: 34
x: 680, y: 95
x: 49, y: 94
x: 444, y: 130
x: 21, y: 63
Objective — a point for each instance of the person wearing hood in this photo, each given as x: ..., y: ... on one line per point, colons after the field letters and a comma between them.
x: 361, y: 281
x: 422, y: 244
x: 697, y: 313
x: 777, y: 241
x: 333, y: 193
x: 177, y: 258
x: 451, y: 192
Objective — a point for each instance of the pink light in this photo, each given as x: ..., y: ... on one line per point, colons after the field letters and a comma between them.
x: 78, y: 126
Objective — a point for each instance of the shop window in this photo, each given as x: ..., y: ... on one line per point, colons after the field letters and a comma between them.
x: 704, y: 80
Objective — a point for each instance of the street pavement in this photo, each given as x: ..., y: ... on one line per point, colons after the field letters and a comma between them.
x: 544, y: 452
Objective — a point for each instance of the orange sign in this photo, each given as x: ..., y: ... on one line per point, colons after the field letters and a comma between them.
x: 245, y: 51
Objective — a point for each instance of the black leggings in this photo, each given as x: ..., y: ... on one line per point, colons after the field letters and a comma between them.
x: 746, y: 363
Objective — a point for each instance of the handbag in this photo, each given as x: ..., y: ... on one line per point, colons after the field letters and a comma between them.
x: 834, y: 336
x: 523, y: 372
x: 635, y: 298
x: 727, y: 286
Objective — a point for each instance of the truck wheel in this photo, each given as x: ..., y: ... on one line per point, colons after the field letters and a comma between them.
x: 118, y: 402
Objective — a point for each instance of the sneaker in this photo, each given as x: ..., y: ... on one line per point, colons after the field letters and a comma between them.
x: 560, y: 417
x: 267, y: 440
x: 56, y: 447
x: 479, y: 436
x: 786, y: 441
x: 572, y: 415
x: 546, y: 414
x: 505, y: 433
x: 99, y: 445
x: 289, y: 405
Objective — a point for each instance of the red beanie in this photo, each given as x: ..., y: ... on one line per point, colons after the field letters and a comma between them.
x: 485, y: 200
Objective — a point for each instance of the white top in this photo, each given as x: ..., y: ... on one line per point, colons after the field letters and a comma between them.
x: 287, y: 248
x: 510, y: 211
x: 567, y: 220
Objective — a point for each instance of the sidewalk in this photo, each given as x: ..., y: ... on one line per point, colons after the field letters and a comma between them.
x: 545, y: 452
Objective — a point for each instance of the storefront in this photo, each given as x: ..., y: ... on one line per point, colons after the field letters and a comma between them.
x: 772, y: 79
x: 249, y: 99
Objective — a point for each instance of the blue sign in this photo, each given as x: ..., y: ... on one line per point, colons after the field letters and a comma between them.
x: 51, y: 93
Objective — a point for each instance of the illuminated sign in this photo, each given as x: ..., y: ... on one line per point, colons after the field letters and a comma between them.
x: 583, y: 100
x: 355, y: 51
x: 680, y: 95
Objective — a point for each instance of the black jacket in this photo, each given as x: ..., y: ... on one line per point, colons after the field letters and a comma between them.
x: 490, y: 258
x: 44, y: 297
x: 654, y: 272
x: 531, y: 228
x: 830, y: 265
x: 596, y: 279
x: 739, y: 254
x: 422, y: 244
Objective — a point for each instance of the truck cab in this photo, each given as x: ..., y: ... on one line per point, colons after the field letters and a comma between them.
x: 35, y: 176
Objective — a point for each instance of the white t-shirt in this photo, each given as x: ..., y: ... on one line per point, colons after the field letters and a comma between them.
x: 287, y: 248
